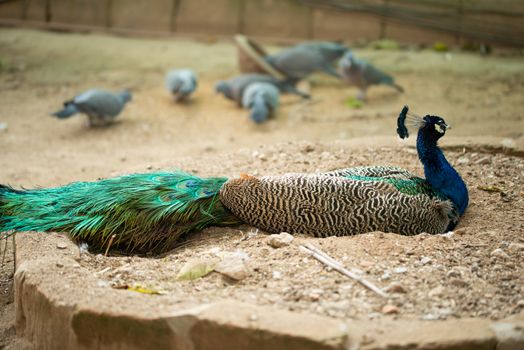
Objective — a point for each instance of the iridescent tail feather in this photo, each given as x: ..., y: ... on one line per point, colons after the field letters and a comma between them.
x: 144, y: 212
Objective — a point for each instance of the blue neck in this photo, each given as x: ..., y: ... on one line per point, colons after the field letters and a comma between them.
x: 439, y: 173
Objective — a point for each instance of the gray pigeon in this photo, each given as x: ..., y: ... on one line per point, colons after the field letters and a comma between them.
x: 262, y: 99
x: 181, y: 83
x: 233, y: 88
x: 299, y: 61
x: 362, y: 74
x: 101, y: 107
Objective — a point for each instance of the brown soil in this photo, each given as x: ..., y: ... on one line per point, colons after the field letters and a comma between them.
x: 458, y: 275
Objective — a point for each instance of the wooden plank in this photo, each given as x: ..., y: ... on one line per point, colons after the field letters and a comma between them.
x: 276, y: 18
x: 35, y: 10
x: 83, y: 12
x: 145, y: 15
x: 208, y: 17
x: 12, y: 10
x: 347, y: 26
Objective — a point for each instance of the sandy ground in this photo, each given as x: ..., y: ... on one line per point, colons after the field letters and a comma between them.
x: 443, y: 277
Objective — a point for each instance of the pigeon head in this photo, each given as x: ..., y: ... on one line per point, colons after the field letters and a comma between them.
x: 347, y: 59
x: 223, y: 88
x: 125, y: 95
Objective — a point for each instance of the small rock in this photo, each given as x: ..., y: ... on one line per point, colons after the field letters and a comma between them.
x: 366, y: 264
x: 430, y: 317
x: 233, y: 267
x: 308, y: 148
x: 385, y: 276
x: 425, y: 260
x: 516, y: 247
x: 457, y: 282
x: 253, y: 317
x: 461, y: 231
x: 499, y: 253
x: 463, y: 160
x: 280, y: 240
x: 315, y: 294
x: 276, y: 275
x: 3, y: 126
x: 396, y: 287
x: 59, y: 265
x: 389, y: 309
x: 61, y: 245
x: 456, y: 271
x: 400, y: 269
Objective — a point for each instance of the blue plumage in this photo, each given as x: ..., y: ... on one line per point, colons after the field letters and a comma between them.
x: 101, y: 107
x: 181, y: 83
x: 262, y: 99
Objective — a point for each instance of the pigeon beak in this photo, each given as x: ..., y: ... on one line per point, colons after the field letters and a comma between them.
x: 447, y: 126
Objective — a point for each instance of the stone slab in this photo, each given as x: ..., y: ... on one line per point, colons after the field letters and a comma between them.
x: 55, y: 313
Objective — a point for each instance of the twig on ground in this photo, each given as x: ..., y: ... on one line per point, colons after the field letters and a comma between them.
x: 329, y: 261
x: 109, y: 244
x: 5, y: 249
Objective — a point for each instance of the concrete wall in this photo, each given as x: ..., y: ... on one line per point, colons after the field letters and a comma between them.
x: 286, y: 19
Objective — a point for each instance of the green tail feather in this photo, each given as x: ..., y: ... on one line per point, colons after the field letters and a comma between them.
x: 145, y: 212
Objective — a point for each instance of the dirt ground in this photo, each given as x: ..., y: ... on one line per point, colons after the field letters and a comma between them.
x: 477, y: 271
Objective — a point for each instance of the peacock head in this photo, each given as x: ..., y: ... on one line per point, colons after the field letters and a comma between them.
x: 431, y: 126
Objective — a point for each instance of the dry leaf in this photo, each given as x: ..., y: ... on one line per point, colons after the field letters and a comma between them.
x: 194, y: 269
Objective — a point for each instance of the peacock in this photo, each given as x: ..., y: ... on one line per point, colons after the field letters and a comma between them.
x: 152, y: 212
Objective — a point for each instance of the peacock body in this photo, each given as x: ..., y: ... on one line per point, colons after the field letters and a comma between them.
x: 151, y: 212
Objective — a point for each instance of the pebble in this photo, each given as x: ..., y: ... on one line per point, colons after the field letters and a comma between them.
x: 396, y: 287
x: 389, y: 309
x: 233, y: 267
x: 430, y: 317
x: 3, y: 126
x: 280, y: 240
x: 400, y: 269
x: 425, y: 260
x: 385, y: 276
x: 456, y: 271
x: 308, y: 148
x: 366, y: 264
x: 461, y: 231
x: 61, y: 245
x: 516, y: 247
x: 457, y: 282
x: 315, y: 294
x: 277, y: 275
x: 463, y: 160
x: 499, y: 253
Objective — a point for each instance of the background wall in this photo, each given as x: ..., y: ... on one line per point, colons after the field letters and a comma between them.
x: 424, y: 21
